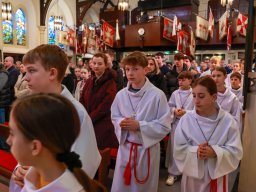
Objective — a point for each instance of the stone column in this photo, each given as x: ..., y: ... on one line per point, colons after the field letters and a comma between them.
x: 42, y: 34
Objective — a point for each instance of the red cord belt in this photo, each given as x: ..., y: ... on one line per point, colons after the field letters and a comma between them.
x: 214, y: 185
x: 128, y: 171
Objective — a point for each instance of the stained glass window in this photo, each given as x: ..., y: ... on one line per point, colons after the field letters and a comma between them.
x: 7, y: 32
x: 51, y: 31
x: 20, y: 27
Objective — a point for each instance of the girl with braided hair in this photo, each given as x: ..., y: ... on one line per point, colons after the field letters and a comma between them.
x: 43, y: 128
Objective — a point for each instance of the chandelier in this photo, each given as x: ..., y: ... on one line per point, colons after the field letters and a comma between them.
x: 123, y: 5
x: 6, y: 11
x: 226, y: 2
x: 58, y: 22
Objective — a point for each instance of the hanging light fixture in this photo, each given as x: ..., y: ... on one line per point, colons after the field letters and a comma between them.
x: 123, y: 5
x: 6, y: 11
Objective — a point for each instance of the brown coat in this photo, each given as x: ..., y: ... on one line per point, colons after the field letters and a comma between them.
x: 97, y: 97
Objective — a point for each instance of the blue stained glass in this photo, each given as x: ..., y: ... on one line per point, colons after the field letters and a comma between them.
x: 20, y: 27
x: 7, y: 32
x: 51, y: 31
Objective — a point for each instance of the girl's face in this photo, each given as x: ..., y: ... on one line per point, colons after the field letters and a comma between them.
x: 151, y: 66
x: 236, y: 67
x: 84, y: 74
x: 218, y: 77
x: 21, y: 147
x: 203, y: 101
x: 98, y: 66
x: 78, y: 72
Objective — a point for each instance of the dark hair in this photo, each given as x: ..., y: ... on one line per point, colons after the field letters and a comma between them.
x: 221, y: 69
x: 110, y: 52
x: 207, y: 82
x: 185, y: 74
x: 178, y: 56
x: 50, y: 56
x: 103, y: 56
x: 54, y: 121
x: 188, y: 57
x: 160, y: 54
x: 136, y: 58
x: 237, y: 75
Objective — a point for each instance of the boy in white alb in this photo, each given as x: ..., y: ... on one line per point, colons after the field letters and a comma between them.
x: 236, y: 87
x: 181, y: 100
x: 141, y: 118
x: 225, y: 98
x: 207, y: 144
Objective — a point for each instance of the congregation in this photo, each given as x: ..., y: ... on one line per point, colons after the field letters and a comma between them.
x: 65, y: 114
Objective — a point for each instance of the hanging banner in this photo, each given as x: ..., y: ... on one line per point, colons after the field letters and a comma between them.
x: 63, y: 37
x: 167, y: 32
x: 211, y: 23
x: 192, y: 45
x: 202, y: 28
x: 229, y: 38
x: 223, y: 25
x: 108, y: 34
x: 71, y: 35
x: 91, y: 45
x: 183, y: 42
x: 241, y: 24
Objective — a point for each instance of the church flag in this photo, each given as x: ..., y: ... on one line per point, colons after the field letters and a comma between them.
x: 223, y: 25
x: 168, y: 27
x: 229, y: 38
x: 183, y: 42
x: 117, y: 31
x: 108, y: 34
x: 241, y: 24
x: 192, y: 45
x: 71, y: 35
x: 177, y: 25
x: 211, y: 23
x: 202, y: 28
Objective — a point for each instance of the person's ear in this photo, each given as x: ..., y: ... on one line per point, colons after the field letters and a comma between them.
x: 53, y: 73
x: 214, y: 96
x: 36, y: 147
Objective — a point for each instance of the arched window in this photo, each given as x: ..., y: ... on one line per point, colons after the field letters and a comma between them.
x: 55, y: 24
x: 12, y: 26
x: 20, y: 27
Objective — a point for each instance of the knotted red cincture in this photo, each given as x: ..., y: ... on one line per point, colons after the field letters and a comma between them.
x: 214, y: 185
x: 128, y: 170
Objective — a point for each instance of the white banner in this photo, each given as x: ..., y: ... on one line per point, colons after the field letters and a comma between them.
x: 202, y: 28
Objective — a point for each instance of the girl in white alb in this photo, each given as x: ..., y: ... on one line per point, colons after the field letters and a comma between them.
x: 207, y: 144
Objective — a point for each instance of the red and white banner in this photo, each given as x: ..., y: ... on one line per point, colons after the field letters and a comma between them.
x: 229, y: 38
x: 177, y: 25
x: 192, y: 44
x: 167, y: 32
x: 108, y: 34
x: 202, y: 28
x: 71, y: 35
x: 211, y: 23
x: 223, y: 25
x: 241, y: 24
x: 183, y: 42
x: 91, y: 45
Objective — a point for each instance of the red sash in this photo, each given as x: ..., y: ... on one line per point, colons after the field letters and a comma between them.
x: 128, y: 171
x: 214, y: 185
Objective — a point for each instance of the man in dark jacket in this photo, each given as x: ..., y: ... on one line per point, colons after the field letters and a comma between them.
x: 13, y: 74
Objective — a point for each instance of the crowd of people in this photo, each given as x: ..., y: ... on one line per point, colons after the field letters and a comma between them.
x: 64, y: 114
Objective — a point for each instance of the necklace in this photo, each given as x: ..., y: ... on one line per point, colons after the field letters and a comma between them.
x: 207, y: 140
x: 134, y: 109
x: 183, y: 103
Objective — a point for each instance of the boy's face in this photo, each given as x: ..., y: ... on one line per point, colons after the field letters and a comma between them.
x: 78, y: 72
x: 235, y: 83
x: 38, y: 78
x: 236, y: 67
x: 179, y: 63
x: 135, y: 74
x: 184, y: 83
x: 218, y: 77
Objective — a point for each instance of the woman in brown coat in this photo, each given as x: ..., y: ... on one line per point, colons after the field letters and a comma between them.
x: 97, y: 96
